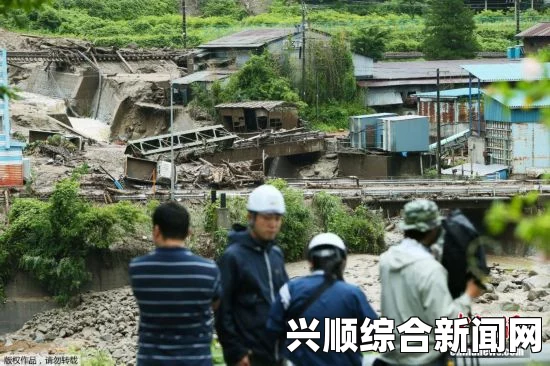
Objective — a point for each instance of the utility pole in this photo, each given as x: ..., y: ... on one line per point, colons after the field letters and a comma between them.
x: 184, y: 24
x: 303, y: 50
x: 438, y: 116
x: 517, y: 9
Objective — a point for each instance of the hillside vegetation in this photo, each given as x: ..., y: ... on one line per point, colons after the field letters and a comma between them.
x: 158, y: 23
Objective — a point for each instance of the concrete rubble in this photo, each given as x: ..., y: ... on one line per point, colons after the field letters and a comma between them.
x: 109, y: 320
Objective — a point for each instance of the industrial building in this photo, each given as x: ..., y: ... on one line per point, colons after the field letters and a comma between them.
x: 385, y: 145
x: 396, y: 83
x: 256, y: 116
x: 454, y: 110
x: 514, y: 133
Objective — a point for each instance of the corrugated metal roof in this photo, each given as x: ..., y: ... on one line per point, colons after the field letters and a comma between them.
x: 538, y: 30
x: 251, y: 38
x: 386, y: 70
x: 479, y: 169
x: 502, y: 72
x: 388, y: 83
x: 519, y: 100
x: 451, y: 93
x: 206, y: 75
x: 265, y: 104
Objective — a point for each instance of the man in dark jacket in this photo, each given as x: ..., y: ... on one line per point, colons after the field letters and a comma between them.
x: 252, y: 271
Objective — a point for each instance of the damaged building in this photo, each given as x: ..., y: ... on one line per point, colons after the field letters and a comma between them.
x: 257, y: 116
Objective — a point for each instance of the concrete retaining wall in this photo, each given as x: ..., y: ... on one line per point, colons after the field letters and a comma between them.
x: 379, y: 166
x: 25, y: 296
x: 79, y: 89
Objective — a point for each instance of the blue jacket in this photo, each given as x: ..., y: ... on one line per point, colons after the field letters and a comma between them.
x: 252, y: 274
x: 341, y: 300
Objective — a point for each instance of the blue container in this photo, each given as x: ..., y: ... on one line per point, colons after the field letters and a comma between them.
x: 510, y: 53
x: 363, y: 129
x: 517, y: 52
x: 405, y: 134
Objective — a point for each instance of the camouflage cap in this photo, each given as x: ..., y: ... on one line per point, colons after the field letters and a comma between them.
x: 421, y: 215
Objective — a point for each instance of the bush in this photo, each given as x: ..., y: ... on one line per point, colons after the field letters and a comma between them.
x: 361, y: 229
x: 298, y: 224
x: 51, y: 240
x: 332, y: 117
x: 49, y: 19
x: 370, y: 41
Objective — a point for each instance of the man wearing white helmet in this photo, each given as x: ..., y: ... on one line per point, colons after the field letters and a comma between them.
x: 252, y: 271
x: 322, y: 295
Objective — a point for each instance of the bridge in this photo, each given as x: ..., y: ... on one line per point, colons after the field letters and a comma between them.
x: 216, y: 144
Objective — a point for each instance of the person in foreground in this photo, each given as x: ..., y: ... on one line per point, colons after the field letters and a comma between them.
x: 176, y: 292
x: 253, y: 270
x: 414, y: 284
x: 321, y: 295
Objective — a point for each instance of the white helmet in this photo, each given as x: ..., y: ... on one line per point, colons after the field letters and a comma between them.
x: 326, y: 240
x: 266, y: 199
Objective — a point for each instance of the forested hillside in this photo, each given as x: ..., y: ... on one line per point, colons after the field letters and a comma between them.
x: 158, y: 23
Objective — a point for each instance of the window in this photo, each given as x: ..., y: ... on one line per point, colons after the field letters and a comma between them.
x: 262, y: 123
x: 275, y: 123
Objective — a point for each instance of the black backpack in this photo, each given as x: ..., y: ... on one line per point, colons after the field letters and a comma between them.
x: 463, y: 256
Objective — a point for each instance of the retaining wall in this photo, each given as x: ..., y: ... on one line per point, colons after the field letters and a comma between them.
x: 25, y: 296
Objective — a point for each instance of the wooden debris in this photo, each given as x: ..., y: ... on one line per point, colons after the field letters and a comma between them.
x: 227, y: 175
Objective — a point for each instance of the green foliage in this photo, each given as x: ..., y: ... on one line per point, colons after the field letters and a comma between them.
x: 361, y: 229
x: 27, y: 5
x: 51, y: 240
x: 298, y: 223
x: 370, y: 41
x: 49, y: 19
x: 334, y: 116
x: 204, y: 101
x: 449, y: 31
x: 329, y: 71
x: 259, y: 79
x: 229, y: 8
x: 237, y: 214
x: 93, y: 357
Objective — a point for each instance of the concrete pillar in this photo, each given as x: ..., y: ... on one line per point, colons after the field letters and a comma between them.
x: 224, y: 221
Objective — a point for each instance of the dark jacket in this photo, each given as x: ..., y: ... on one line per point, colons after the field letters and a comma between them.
x: 252, y: 274
x: 340, y: 301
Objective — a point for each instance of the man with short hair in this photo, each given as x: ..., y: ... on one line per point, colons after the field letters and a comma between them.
x: 414, y: 283
x: 176, y: 291
x: 322, y: 295
x: 253, y: 270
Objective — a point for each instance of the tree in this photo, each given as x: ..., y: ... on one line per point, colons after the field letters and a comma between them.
x: 259, y: 79
x: 370, y: 42
x: 449, y: 30
x: 329, y: 71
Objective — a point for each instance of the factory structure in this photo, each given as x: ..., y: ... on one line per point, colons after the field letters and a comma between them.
x: 500, y: 136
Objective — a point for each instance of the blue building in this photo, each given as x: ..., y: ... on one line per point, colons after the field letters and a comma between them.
x: 11, y: 152
x: 515, y: 135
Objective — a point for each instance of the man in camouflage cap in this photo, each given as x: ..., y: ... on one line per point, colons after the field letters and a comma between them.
x: 421, y: 215
x: 414, y: 283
